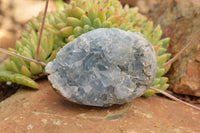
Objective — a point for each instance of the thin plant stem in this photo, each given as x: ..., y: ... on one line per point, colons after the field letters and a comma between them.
x: 20, y: 56
x: 182, y: 51
x: 41, y: 29
x: 174, y: 98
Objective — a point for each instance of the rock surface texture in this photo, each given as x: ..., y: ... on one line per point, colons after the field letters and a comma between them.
x: 104, y: 67
x: 143, y: 5
x: 179, y: 20
x: 44, y: 111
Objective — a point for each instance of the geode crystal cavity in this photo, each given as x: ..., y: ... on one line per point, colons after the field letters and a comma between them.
x: 103, y: 67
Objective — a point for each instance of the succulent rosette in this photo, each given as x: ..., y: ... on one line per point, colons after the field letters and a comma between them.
x: 78, y: 17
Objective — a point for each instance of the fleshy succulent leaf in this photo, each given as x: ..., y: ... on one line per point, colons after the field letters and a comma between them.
x: 17, y: 78
x: 77, y: 18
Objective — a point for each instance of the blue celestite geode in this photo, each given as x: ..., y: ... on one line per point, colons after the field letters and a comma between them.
x: 103, y: 67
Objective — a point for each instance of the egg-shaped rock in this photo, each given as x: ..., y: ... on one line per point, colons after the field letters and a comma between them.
x: 103, y: 67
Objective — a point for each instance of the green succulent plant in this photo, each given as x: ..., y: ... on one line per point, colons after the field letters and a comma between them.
x: 78, y: 17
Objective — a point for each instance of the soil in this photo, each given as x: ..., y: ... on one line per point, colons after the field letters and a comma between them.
x: 7, y: 89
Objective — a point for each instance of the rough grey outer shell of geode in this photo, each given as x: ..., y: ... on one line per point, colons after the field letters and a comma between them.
x: 103, y: 67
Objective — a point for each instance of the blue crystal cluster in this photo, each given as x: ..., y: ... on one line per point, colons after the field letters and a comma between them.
x: 103, y: 67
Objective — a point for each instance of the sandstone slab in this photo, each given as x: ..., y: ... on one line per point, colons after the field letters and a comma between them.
x: 44, y: 111
x: 179, y: 20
